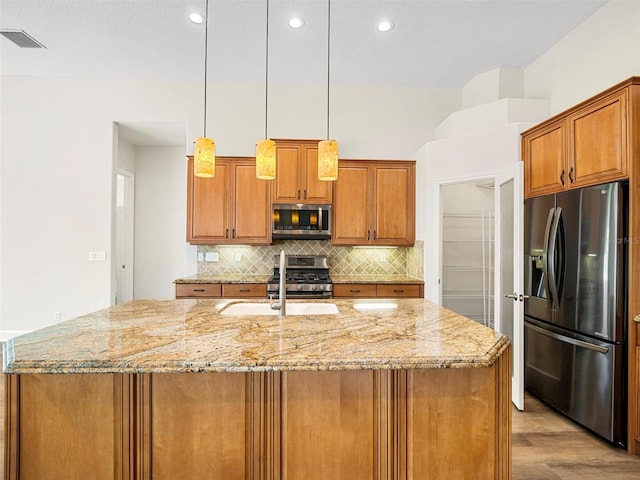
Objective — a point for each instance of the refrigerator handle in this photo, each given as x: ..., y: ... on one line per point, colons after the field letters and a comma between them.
x: 551, y: 258
x: 547, y: 253
x: 572, y: 341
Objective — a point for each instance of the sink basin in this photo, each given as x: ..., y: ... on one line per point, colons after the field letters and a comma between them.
x: 247, y: 308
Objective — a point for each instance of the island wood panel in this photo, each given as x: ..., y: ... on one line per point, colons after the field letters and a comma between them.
x: 202, y: 425
x: 637, y: 395
x: 462, y: 428
x: 69, y: 426
x: 598, y: 142
x: 332, y: 424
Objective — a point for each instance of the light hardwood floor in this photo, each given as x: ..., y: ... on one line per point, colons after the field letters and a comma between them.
x: 546, y: 446
x: 549, y: 446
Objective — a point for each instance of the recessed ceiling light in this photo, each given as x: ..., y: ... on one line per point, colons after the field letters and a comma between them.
x: 296, y: 22
x: 385, y: 26
x: 195, y: 17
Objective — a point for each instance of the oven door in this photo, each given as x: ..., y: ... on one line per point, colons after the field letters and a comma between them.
x: 580, y: 376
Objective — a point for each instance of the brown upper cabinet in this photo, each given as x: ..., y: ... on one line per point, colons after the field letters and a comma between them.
x: 232, y: 207
x: 297, y: 173
x: 374, y: 203
x: 585, y: 145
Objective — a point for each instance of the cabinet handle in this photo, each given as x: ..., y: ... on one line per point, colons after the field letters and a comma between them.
x: 226, y: 233
x: 245, y: 290
x: 368, y: 234
x: 305, y: 193
x: 398, y: 291
x: 198, y: 289
x: 562, y: 177
x: 354, y: 291
x: 233, y: 233
x: 298, y: 194
x: 375, y: 235
x: 571, y: 179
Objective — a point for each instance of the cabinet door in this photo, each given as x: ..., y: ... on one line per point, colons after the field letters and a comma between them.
x: 394, y: 205
x: 544, y: 154
x: 287, y: 183
x: 251, y: 205
x: 365, y: 290
x: 351, y: 206
x: 313, y: 190
x: 207, y: 212
x: 598, y: 142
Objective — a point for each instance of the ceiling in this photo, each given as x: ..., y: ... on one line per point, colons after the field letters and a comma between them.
x: 435, y: 43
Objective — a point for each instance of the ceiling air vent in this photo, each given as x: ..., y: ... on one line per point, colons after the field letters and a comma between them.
x: 21, y: 38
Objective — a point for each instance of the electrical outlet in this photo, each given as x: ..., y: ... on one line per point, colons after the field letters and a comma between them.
x: 56, y: 316
x: 97, y: 256
x: 382, y: 258
x: 200, y: 257
x: 238, y: 257
x: 211, y: 257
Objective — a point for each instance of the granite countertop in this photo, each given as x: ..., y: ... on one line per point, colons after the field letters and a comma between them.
x: 196, y: 336
x: 264, y: 278
x: 223, y: 279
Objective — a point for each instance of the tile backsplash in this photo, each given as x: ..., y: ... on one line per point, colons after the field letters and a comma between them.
x: 247, y: 260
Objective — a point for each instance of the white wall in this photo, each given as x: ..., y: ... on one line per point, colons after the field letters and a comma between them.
x: 160, y: 219
x: 482, y: 153
x: 58, y: 160
x: 599, y: 53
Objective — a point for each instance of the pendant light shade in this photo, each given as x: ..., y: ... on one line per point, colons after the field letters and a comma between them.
x: 204, y: 152
x: 204, y: 158
x: 328, y: 160
x: 266, y: 149
x: 328, y: 149
x: 266, y: 159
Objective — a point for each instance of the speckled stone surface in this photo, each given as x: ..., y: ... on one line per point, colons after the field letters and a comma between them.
x: 223, y: 279
x: 376, y: 279
x: 196, y: 336
x: 335, y: 278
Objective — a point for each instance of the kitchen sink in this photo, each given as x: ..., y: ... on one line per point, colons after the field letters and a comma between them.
x: 247, y: 308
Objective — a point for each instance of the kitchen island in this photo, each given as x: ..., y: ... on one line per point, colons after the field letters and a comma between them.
x: 400, y: 389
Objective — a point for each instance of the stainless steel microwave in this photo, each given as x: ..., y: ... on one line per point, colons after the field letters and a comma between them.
x: 301, y: 221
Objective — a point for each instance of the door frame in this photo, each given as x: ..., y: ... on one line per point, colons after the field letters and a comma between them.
x: 128, y: 241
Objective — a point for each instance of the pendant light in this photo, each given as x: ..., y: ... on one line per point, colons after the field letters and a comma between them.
x: 328, y: 149
x: 266, y: 149
x: 205, y: 148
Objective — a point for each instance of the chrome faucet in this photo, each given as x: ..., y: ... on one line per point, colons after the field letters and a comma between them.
x: 281, y: 306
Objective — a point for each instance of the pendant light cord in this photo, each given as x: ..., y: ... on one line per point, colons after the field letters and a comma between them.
x: 328, y: 59
x: 206, y: 37
x: 266, y: 77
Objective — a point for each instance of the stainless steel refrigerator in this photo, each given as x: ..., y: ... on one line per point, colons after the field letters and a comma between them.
x: 575, y: 278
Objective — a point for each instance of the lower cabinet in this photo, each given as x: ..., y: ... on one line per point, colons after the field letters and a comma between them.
x: 371, y: 290
x: 218, y: 290
x: 312, y: 425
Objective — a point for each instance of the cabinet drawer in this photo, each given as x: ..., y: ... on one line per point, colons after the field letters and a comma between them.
x: 244, y: 290
x: 198, y: 290
x: 354, y: 290
x: 398, y: 290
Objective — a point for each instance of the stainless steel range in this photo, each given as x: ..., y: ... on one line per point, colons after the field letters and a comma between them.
x: 307, y: 277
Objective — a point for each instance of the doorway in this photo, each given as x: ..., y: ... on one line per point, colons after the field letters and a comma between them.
x: 467, y: 248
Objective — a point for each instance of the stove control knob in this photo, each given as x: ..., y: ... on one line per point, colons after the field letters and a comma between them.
x: 299, y: 287
x: 315, y: 287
